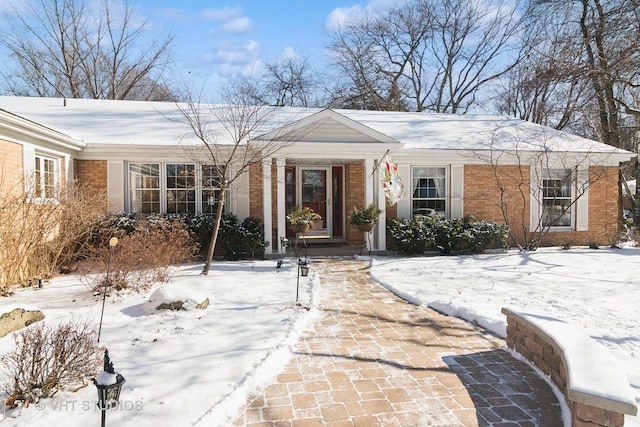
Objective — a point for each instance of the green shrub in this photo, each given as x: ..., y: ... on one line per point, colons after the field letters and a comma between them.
x: 413, y: 236
x: 446, y: 236
x: 241, y: 240
x: 236, y: 239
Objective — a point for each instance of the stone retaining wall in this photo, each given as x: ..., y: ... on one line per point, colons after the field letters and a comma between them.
x: 595, y: 387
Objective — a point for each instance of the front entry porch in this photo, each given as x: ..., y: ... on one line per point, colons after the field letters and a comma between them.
x: 332, y: 188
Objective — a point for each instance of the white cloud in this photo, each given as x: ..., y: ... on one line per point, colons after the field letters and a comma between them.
x: 236, y: 26
x: 230, y: 53
x: 343, y: 15
x: 221, y: 15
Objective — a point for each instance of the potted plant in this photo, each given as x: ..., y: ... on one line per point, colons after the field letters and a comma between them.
x: 365, y: 218
x: 301, y: 218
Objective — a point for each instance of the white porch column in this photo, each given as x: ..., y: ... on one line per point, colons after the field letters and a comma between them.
x: 380, y: 239
x: 266, y: 204
x: 369, y: 164
x: 281, y: 205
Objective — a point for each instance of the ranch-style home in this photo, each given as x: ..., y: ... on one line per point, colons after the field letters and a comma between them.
x: 147, y: 160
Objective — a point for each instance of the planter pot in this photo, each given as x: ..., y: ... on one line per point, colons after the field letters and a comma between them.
x: 299, y: 228
x: 366, y: 227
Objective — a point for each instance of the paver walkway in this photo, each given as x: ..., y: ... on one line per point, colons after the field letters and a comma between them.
x: 375, y: 360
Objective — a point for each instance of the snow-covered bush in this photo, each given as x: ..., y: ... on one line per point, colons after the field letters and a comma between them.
x: 445, y: 236
x: 48, y: 359
x: 413, y: 236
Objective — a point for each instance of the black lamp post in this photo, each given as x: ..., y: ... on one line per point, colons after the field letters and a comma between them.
x: 108, y: 391
x: 112, y: 243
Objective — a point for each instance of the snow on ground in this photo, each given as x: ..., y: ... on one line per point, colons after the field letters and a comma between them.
x: 597, y: 290
x: 191, y: 367
x: 197, y: 367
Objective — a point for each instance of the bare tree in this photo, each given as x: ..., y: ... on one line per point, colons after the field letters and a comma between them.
x: 427, y: 55
x: 65, y: 48
x: 588, y: 51
x: 289, y: 81
x: 542, y: 88
x: 376, y: 52
x: 228, y: 135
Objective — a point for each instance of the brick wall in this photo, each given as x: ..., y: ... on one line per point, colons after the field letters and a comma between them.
x: 483, y: 197
x: 354, y: 176
x: 256, y: 199
x: 11, y: 167
x: 92, y: 173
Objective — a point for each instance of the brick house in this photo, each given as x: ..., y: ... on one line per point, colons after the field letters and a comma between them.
x: 450, y: 164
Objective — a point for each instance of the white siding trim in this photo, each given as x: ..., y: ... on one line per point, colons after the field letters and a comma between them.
x: 266, y: 205
x: 240, y: 195
x: 582, y: 204
x: 404, y: 205
x: 115, y: 185
x: 280, y: 203
x: 535, y: 181
x: 457, y: 191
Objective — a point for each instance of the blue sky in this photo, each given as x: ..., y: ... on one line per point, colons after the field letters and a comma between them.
x: 218, y: 40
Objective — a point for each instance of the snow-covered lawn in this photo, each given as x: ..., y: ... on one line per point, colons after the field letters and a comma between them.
x: 197, y: 367
x: 181, y: 368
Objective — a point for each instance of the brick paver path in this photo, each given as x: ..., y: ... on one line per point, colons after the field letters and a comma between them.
x: 375, y: 360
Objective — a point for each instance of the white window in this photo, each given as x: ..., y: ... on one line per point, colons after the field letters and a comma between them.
x: 173, y: 188
x: 557, y: 198
x: 181, y: 188
x: 46, y: 177
x: 210, y: 189
x: 429, y: 190
x: 144, y: 187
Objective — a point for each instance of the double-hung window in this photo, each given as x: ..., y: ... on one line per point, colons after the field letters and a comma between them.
x: 181, y: 187
x: 173, y: 188
x: 429, y: 190
x: 144, y: 187
x: 557, y: 198
x: 45, y: 177
x: 210, y: 189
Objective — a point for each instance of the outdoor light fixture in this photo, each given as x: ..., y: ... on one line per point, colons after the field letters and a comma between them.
x: 284, y: 242
x: 109, y: 383
x: 304, y: 268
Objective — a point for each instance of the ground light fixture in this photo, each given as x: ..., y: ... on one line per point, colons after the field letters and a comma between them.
x: 109, y: 384
x: 303, y: 269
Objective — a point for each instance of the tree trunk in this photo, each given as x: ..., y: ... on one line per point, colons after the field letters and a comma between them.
x: 214, y: 233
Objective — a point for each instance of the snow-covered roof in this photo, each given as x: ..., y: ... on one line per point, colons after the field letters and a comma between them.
x: 139, y: 123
